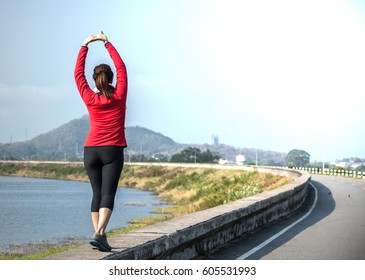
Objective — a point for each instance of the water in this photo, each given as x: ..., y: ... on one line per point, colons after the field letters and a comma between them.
x: 37, y: 210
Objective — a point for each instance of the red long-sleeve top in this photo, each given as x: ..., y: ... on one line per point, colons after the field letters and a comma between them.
x: 107, y: 116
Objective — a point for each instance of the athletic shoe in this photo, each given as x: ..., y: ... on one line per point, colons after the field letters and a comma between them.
x: 100, y: 242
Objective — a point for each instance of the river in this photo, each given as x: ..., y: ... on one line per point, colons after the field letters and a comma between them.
x: 43, y: 210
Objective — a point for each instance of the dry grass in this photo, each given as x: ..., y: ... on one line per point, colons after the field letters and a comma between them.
x: 193, y: 189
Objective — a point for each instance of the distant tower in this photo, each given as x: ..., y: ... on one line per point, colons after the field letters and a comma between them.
x: 214, y: 140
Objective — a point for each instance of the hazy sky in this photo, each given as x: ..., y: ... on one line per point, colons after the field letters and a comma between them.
x: 274, y: 75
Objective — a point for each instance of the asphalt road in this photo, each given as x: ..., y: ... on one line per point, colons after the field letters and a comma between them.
x: 330, y: 226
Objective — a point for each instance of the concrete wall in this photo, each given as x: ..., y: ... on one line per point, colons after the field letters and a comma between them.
x: 188, y: 236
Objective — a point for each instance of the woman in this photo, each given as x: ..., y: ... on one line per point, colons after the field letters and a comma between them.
x: 105, y: 143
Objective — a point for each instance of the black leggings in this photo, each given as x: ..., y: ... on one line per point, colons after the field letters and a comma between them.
x: 103, y: 165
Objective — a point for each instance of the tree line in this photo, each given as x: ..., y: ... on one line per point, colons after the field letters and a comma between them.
x: 188, y: 155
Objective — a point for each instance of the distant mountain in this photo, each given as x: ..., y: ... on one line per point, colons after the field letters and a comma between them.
x: 66, y: 143
x: 144, y: 141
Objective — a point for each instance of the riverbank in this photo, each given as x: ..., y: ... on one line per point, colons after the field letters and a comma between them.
x: 188, y: 189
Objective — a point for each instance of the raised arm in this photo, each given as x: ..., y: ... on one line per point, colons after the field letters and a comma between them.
x: 79, y: 75
x: 121, y: 77
x: 83, y: 87
x: 122, y: 80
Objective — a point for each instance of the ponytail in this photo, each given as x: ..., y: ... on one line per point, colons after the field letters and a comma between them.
x: 103, y: 77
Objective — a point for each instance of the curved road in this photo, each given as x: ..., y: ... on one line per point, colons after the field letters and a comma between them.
x: 331, y: 226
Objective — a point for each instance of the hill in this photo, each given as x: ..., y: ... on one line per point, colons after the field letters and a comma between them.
x: 66, y: 143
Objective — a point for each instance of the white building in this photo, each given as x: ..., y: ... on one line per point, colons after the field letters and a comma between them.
x: 240, y: 159
x: 343, y: 164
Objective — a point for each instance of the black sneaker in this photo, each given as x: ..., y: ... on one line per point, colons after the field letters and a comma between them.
x: 100, y: 242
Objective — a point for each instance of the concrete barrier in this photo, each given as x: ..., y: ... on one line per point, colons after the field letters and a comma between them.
x: 194, y: 234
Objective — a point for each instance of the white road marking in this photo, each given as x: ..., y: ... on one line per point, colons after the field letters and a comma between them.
x: 266, y: 242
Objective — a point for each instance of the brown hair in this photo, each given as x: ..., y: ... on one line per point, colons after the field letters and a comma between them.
x: 103, y: 77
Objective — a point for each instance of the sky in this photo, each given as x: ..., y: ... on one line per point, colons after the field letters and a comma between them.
x: 272, y: 75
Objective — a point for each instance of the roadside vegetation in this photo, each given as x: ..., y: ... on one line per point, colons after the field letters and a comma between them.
x: 186, y: 189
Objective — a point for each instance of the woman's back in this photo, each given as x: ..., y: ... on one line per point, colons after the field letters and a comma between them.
x: 107, y: 115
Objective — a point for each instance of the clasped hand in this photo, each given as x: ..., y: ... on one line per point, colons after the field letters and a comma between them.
x: 95, y: 37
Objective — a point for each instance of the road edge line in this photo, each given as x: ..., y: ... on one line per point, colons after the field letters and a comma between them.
x: 272, y: 238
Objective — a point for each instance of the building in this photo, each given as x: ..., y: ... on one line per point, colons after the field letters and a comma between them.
x: 240, y: 159
x: 214, y: 140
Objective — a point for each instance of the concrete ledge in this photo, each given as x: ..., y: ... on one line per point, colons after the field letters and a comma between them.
x: 194, y: 234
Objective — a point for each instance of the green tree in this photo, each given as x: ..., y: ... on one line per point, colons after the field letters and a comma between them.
x: 208, y: 157
x: 187, y: 155
x: 195, y: 155
x: 297, y: 158
x: 361, y: 168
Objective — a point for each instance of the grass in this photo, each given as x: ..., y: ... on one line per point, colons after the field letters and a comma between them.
x: 194, y: 189
x: 44, y: 170
x: 187, y: 189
